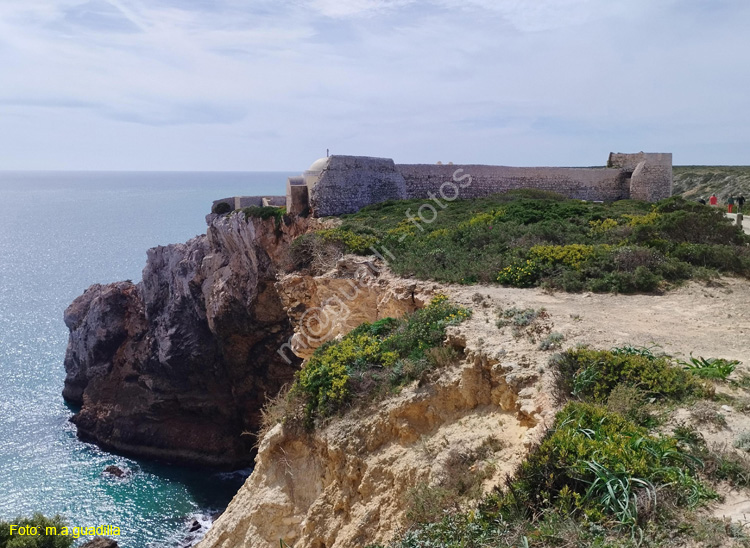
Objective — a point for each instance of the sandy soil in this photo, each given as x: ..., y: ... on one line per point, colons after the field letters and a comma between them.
x: 708, y: 319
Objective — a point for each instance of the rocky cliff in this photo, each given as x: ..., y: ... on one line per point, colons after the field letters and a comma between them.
x: 178, y: 366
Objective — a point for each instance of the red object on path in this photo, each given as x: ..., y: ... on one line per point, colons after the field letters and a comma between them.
x: 729, y: 206
x: 712, y: 200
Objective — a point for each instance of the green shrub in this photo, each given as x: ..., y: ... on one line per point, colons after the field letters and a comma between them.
x: 265, y: 212
x: 743, y: 441
x: 553, y: 341
x: 221, y: 208
x: 42, y: 540
x: 601, y: 466
x: 355, y: 243
x: 324, y: 379
x: 631, y: 402
x: 592, y: 374
x: 392, y: 350
x: 726, y: 258
x: 526, y: 321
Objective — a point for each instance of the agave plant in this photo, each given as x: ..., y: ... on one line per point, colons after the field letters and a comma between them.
x: 709, y: 368
x: 618, y: 492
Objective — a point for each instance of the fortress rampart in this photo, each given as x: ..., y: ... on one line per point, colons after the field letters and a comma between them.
x: 336, y: 185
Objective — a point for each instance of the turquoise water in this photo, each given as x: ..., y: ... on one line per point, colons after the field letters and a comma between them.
x: 59, y: 233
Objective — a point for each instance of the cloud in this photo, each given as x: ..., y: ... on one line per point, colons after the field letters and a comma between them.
x: 476, y: 80
x: 98, y: 15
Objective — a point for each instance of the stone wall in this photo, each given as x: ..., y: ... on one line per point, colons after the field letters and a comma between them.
x: 238, y: 202
x: 346, y: 184
x: 476, y: 181
x: 297, y: 200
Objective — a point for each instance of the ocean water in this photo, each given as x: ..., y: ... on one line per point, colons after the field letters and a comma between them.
x: 60, y: 233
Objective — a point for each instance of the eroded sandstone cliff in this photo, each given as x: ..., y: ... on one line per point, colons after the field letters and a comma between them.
x: 178, y: 366
x: 354, y: 291
x: 348, y: 482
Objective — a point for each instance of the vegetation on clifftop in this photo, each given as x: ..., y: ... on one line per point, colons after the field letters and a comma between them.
x: 530, y: 238
x: 375, y: 358
x: 603, y: 475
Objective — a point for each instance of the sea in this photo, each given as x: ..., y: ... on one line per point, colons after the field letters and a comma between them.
x: 60, y: 232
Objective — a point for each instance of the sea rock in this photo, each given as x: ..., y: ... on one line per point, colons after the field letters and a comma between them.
x: 100, y: 542
x: 178, y: 366
x: 115, y: 471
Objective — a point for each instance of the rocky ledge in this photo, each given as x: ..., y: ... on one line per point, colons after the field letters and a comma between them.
x: 178, y: 366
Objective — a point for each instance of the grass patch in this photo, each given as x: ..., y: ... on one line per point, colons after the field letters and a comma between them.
x: 526, y: 238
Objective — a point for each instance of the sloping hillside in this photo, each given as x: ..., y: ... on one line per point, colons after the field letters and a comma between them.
x: 694, y: 182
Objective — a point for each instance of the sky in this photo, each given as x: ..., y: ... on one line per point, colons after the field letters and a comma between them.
x: 272, y: 84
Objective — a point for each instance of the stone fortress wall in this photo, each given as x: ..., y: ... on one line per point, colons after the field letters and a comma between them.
x: 336, y: 185
x: 606, y: 184
x: 238, y: 202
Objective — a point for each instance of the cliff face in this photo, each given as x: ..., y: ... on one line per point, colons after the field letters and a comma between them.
x: 178, y: 366
x: 348, y: 483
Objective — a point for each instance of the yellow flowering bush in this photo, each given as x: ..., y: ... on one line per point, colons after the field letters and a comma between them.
x: 439, y: 233
x: 325, y: 380
x: 570, y: 255
x: 640, y: 220
x: 404, y: 228
x: 485, y: 218
x: 602, y: 226
x: 356, y: 243
x: 522, y: 273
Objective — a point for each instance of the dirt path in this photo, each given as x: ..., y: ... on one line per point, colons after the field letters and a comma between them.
x: 709, y: 320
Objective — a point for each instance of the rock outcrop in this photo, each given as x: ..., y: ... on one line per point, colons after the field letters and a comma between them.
x: 178, y: 366
x: 355, y: 291
x: 100, y: 542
